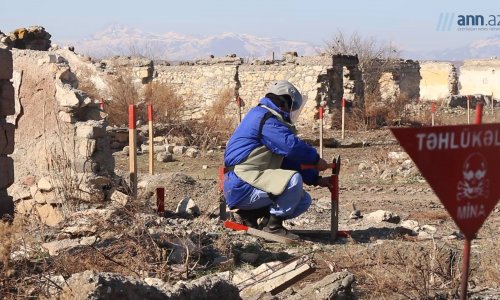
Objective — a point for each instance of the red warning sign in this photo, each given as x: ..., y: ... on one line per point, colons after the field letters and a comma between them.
x: 462, y: 165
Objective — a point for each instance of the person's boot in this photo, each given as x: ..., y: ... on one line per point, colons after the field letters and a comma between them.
x: 275, y: 226
x: 251, y: 218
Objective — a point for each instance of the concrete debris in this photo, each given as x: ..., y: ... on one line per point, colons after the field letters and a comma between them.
x: 275, y: 279
x: 398, y: 156
x: 338, y: 285
x: 119, y: 198
x: 382, y: 216
x: 108, y: 286
x: 188, y: 208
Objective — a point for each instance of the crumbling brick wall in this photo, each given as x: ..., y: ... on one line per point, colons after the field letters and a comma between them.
x: 6, y: 134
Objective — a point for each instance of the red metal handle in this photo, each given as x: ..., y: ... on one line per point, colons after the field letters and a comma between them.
x: 235, y: 226
x: 315, y: 167
x: 479, y: 113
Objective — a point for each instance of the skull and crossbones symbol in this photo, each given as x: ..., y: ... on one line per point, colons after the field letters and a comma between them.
x: 474, y: 183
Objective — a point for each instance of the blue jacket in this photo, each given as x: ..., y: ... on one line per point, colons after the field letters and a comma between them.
x: 276, y: 137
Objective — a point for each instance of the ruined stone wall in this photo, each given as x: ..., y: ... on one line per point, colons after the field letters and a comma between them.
x: 62, y: 149
x: 480, y: 77
x: 401, y: 80
x: 439, y: 80
x: 309, y: 79
x: 6, y: 134
x: 200, y: 85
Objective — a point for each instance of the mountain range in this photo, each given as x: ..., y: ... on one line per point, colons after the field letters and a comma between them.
x: 122, y: 40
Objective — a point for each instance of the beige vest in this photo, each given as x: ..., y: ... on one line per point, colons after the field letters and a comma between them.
x: 262, y: 168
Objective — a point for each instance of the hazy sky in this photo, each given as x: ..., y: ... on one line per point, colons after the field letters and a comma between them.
x: 410, y: 24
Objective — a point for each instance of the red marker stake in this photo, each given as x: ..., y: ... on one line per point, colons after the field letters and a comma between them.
x: 132, y: 137
x: 321, y: 113
x: 151, y: 137
x: 343, y: 117
x: 160, y: 200
x: 101, y: 105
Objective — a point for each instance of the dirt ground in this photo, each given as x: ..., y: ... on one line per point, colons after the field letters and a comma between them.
x: 388, y: 262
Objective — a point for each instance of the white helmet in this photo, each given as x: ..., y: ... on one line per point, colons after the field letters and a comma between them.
x: 283, y: 87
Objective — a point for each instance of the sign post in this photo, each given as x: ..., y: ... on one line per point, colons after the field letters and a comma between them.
x: 468, y: 109
x: 461, y: 165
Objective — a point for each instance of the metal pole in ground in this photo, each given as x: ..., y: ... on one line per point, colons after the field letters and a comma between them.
x: 334, y: 217
x: 222, y: 202
x: 343, y: 117
x: 151, y: 137
x: 468, y: 240
x: 321, y: 112
x: 101, y: 105
x: 433, y: 112
x: 132, y: 137
x: 468, y: 109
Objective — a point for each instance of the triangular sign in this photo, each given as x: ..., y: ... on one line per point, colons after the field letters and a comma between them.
x: 462, y: 165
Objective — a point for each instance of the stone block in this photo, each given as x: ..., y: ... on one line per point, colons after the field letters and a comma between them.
x: 6, y: 172
x: 5, y: 64
x: 66, y: 96
x: 6, y: 138
x: 89, y: 131
x: 7, y: 103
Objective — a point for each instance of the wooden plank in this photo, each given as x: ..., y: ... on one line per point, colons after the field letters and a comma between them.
x: 281, y: 279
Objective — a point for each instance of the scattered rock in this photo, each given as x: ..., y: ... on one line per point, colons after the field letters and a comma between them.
x: 188, y: 208
x: 179, y: 150
x: 324, y: 203
x: 398, y: 156
x: 191, y: 152
x: 49, y: 215
x: 55, y: 247
x: 45, y: 185
x: 164, y: 157
x: 382, y: 216
x: 204, y: 167
x: 410, y: 224
x: 119, y: 198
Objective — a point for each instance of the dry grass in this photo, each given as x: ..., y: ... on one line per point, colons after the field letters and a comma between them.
x: 123, y: 93
x: 216, y: 125
x: 402, y: 270
x: 168, y: 107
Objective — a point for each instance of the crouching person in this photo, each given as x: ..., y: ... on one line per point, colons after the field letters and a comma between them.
x: 263, y: 157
